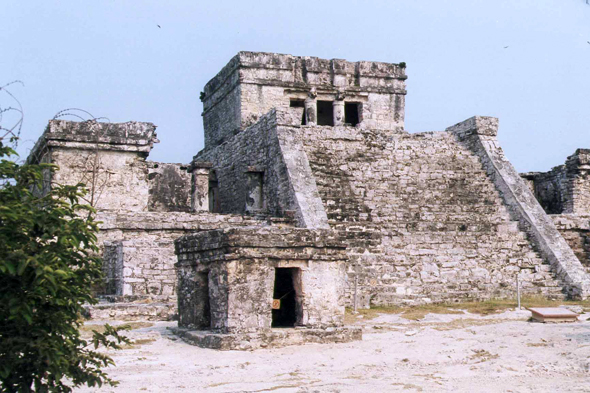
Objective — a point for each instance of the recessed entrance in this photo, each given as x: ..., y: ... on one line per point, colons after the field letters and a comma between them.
x: 286, y: 290
x: 202, y: 301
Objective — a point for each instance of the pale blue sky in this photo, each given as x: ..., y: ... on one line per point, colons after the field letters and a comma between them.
x: 110, y: 58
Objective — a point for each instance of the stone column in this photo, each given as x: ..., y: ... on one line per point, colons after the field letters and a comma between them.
x: 311, y: 111
x: 200, y: 186
x: 338, y: 107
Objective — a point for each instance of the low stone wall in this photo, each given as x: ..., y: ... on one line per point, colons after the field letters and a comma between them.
x: 139, y: 248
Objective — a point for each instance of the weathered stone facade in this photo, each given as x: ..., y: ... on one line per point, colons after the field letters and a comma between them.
x: 307, y: 168
x: 565, y: 188
x: 228, y: 277
x: 564, y: 193
x: 252, y: 84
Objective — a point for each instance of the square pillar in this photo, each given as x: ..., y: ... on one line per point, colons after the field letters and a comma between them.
x: 200, y: 186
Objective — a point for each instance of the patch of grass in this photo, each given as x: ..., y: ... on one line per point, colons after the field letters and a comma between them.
x: 86, y: 330
x: 138, y: 343
x: 370, y: 313
x: 464, y: 323
x: 486, y: 307
x: 419, y: 312
x: 481, y: 355
x: 538, y: 345
x: 408, y: 386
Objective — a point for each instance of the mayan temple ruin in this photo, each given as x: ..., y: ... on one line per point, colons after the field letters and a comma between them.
x: 310, y: 196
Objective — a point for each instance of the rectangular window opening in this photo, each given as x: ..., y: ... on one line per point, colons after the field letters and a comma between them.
x: 325, y: 113
x: 297, y: 103
x: 351, y: 113
x: 287, y: 305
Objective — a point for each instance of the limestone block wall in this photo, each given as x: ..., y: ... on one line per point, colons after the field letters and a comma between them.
x: 422, y: 218
x: 252, y: 149
x: 287, y: 182
x: 235, y: 270
x: 117, y: 180
x: 253, y: 83
x: 575, y: 230
x: 552, y: 189
x: 138, y: 248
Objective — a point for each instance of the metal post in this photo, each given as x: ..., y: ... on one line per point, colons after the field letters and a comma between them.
x: 518, y: 291
x: 356, y: 281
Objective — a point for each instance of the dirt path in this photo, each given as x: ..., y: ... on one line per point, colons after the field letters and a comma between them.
x: 459, y: 353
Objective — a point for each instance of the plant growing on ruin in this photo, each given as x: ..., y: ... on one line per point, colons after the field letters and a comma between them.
x: 48, y: 266
x: 91, y: 171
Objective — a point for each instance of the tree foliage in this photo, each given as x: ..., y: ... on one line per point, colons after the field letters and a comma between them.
x: 48, y: 266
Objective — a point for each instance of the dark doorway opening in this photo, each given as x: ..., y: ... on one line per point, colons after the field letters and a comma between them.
x: 351, y: 113
x: 203, y: 302
x: 287, y: 282
x: 325, y: 113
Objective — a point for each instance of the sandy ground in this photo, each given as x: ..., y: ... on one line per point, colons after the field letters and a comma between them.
x: 442, y: 352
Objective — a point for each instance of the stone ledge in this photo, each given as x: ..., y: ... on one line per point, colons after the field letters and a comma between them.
x: 271, y: 338
x: 133, y: 311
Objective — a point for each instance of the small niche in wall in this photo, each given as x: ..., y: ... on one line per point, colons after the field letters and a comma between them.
x: 255, y: 190
x: 352, y: 112
x: 214, y: 203
x: 298, y: 103
x: 325, y: 113
x: 203, y: 301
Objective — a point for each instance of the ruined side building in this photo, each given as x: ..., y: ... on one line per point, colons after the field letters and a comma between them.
x: 310, y: 196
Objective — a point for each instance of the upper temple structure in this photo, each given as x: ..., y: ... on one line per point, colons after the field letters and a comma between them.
x: 308, y: 197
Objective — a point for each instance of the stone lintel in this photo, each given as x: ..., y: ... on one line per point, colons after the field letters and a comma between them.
x: 261, y: 239
x: 199, y: 165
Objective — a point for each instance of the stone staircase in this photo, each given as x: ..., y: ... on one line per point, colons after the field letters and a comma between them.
x: 423, y: 220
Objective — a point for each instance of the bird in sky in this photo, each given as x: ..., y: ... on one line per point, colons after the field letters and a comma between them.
x: 506, y: 46
x: 158, y: 26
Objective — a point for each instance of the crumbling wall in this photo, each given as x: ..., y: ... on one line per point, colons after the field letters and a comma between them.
x: 110, y: 160
x: 169, y: 187
x: 565, y: 188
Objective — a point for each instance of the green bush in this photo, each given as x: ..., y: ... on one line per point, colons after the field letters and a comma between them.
x: 48, y: 266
